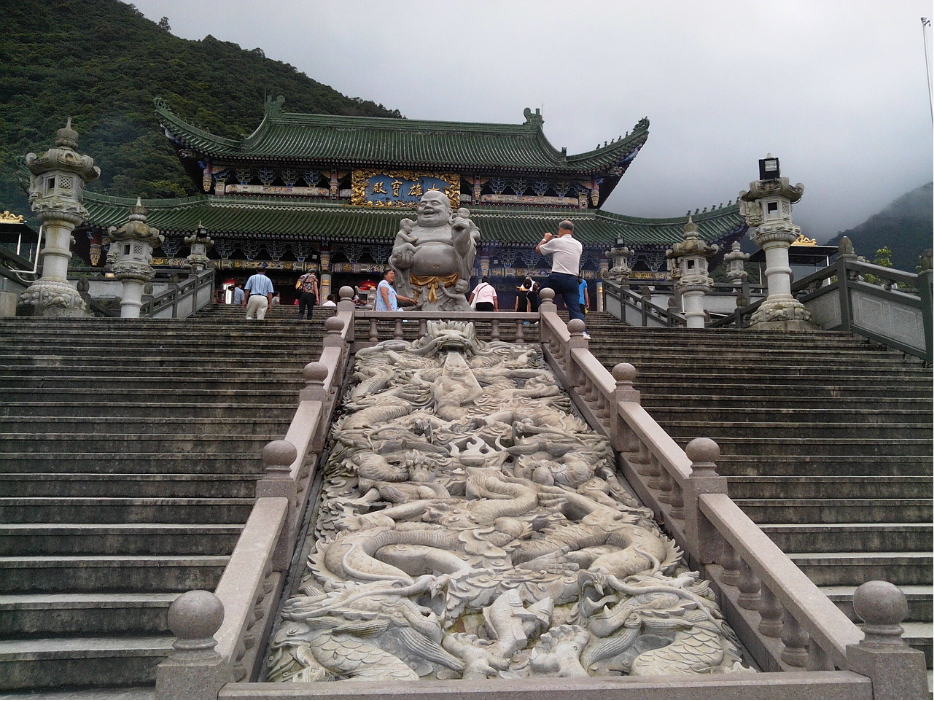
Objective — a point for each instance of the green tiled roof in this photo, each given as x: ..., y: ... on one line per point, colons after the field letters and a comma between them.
x: 255, y: 217
x: 381, y: 141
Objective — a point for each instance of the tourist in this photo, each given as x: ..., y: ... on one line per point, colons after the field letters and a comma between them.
x: 533, y: 296
x: 565, y: 253
x: 260, y: 294
x: 387, y: 300
x: 309, y: 295
x: 329, y: 302
x: 275, y: 299
x: 237, y: 296
x: 523, y: 303
x: 483, y: 298
x: 584, y: 298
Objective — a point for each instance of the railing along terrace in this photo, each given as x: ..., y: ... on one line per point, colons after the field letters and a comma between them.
x: 840, y: 298
x: 805, y: 646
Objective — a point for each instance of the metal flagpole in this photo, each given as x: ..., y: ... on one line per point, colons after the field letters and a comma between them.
x: 925, y: 25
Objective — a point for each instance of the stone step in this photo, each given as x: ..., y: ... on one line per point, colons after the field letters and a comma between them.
x: 128, y: 462
x: 229, y: 411
x: 19, y: 539
x: 123, y: 510
x: 768, y: 446
x: 837, y: 510
x: 51, y: 574
x: 920, y: 599
x: 254, y: 391
x: 31, y: 484
x: 110, y: 614
x: 744, y: 404
x: 702, y: 367
x: 798, y: 466
x: 852, y: 569
x: 726, y: 380
x: 890, y: 430
x: 144, y: 443
x: 254, y: 423
x: 182, y: 360
x: 81, y: 662
x: 18, y: 388
x: 838, y: 487
x: 767, y: 390
x: 850, y: 537
x: 918, y: 635
x: 765, y: 413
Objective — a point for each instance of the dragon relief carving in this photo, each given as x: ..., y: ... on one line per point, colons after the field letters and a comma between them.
x: 471, y: 526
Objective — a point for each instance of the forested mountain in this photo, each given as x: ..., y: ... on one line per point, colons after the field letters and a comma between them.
x: 904, y: 226
x: 102, y: 62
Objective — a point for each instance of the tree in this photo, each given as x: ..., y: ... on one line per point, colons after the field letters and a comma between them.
x: 164, y: 24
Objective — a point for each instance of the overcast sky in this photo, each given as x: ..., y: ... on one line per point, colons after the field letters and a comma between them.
x: 837, y: 89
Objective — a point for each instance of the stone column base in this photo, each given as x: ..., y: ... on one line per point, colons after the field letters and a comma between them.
x: 782, y: 315
x: 52, y: 299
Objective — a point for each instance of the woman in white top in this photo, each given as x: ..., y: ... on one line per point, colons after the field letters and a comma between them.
x: 483, y: 298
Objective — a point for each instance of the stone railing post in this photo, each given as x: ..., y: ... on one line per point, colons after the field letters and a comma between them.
x: 897, y: 671
x: 624, y: 374
x: 345, y: 304
x: 701, y: 535
x: 194, y: 670
x: 277, y: 481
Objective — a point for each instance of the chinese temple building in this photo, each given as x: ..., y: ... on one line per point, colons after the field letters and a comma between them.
x: 327, y: 193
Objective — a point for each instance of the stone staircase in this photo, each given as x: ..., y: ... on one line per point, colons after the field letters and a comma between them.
x: 825, y: 440
x: 129, y: 451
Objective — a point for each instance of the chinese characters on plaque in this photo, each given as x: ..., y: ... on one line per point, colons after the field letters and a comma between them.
x: 401, y: 188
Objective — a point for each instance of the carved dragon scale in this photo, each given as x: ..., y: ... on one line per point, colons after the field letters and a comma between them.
x: 471, y: 526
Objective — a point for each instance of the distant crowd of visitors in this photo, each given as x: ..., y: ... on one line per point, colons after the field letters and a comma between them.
x: 257, y: 295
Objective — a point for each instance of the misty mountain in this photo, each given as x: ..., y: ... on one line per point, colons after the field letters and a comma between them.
x: 905, y: 226
x: 102, y: 62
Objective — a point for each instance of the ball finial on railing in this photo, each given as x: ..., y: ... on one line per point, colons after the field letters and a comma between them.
x: 345, y: 292
x: 703, y: 454
x: 882, y: 606
x: 315, y: 373
x: 333, y: 325
x: 278, y: 457
x: 576, y: 327
x: 546, y: 294
x: 194, y: 617
x: 624, y: 373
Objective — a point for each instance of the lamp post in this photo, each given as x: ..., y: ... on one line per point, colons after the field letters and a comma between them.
x: 619, y: 254
x: 766, y: 207
x: 200, y: 244
x: 56, y: 189
x: 134, y: 242
x: 735, y: 270
x: 689, y: 270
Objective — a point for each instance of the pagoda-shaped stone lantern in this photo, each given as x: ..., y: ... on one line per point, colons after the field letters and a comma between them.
x: 766, y: 207
x: 736, y: 271
x: 689, y: 271
x: 200, y: 244
x: 619, y: 254
x: 133, y: 242
x: 56, y: 190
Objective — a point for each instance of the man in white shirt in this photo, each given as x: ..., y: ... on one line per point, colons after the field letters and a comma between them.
x: 260, y: 290
x: 484, y: 296
x: 565, y: 253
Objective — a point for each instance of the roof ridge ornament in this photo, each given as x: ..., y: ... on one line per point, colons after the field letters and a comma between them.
x: 535, y: 119
x: 273, y: 107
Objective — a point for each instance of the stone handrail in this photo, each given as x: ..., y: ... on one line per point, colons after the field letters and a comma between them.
x: 832, y: 294
x: 182, y: 300
x: 784, y: 619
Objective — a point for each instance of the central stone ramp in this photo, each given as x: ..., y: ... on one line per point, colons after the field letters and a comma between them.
x: 472, y: 526
x: 129, y: 451
x: 826, y: 442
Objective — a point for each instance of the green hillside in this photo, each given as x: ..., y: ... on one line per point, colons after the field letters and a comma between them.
x: 102, y: 63
x: 904, y: 226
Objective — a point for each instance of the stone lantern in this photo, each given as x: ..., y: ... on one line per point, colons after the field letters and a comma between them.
x: 133, y: 242
x: 689, y: 270
x: 200, y: 244
x: 735, y: 270
x: 56, y: 189
x: 766, y: 207
x: 619, y: 254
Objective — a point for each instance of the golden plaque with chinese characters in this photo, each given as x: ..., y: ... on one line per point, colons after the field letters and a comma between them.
x: 401, y: 188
